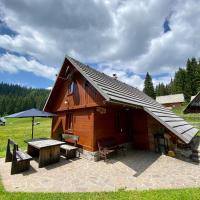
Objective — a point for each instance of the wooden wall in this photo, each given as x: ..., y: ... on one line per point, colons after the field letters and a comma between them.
x: 84, y: 95
x: 172, y: 105
x: 140, y: 137
x: 91, y: 125
x: 104, y: 126
x: 83, y: 121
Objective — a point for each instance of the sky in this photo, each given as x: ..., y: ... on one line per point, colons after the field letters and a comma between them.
x: 125, y: 37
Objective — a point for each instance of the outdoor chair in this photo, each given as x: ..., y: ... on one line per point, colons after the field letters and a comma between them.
x: 20, y: 160
x: 70, y: 150
x: 107, y: 146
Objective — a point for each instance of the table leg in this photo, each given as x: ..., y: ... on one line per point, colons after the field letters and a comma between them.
x: 49, y: 155
x: 32, y: 151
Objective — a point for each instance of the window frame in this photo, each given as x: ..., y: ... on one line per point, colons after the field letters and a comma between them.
x: 71, y: 87
x: 69, y: 121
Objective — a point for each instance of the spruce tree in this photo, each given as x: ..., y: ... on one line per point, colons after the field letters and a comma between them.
x: 161, y: 90
x: 148, y: 86
x: 180, y: 81
x: 192, y: 74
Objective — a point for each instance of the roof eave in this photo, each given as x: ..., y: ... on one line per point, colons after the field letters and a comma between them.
x: 168, y: 127
x: 123, y: 103
x: 53, y: 88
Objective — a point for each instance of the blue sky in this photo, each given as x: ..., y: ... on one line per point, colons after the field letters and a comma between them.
x: 123, y: 37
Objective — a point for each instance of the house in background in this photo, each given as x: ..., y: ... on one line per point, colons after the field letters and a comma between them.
x: 93, y: 106
x: 192, y: 97
x: 194, y: 105
x: 171, y: 101
x: 2, y: 121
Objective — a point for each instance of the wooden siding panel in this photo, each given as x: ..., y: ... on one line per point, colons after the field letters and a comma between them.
x: 82, y: 97
x: 104, y: 126
x: 140, y: 130
x: 83, y: 126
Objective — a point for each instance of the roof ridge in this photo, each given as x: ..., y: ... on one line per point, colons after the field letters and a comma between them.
x: 116, y: 80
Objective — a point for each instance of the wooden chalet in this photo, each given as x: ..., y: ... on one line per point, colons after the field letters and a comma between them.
x: 93, y: 106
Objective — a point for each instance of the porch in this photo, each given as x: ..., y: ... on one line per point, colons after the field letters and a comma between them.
x: 137, y: 170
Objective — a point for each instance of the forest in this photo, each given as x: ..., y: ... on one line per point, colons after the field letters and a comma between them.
x: 186, y: 81
x: 15, y: 98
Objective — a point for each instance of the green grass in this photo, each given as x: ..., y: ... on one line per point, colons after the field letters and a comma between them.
x: 19, y: 129
x: 182, y: 194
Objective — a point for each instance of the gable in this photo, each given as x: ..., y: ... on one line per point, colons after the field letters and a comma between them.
x: 82, y: 93
x: 194, y: 105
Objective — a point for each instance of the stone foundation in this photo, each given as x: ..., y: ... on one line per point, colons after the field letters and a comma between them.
x: 196, y: 149
x: 89, y: 155
x: 94, y: 155
x: 191, y: 151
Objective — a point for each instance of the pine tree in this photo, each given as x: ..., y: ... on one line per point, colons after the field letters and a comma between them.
x: 148, y: 86
x: 192, y: 74
x: 161, y: 90
x: 187, y: 90
x: 179, y: 81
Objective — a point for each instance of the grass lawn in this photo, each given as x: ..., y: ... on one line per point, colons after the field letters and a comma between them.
x: 19, y: 129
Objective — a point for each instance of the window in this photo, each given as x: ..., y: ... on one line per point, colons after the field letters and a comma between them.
x: 87, y: 84
x: 69, y: 121
x: 71, y: 87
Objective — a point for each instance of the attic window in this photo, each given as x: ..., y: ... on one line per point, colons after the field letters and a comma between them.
x: 87, y: 84
x: 71, y: 87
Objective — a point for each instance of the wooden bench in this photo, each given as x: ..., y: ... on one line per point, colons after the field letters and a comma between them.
x: 107, y: 146
x: 20, y: 160
x: 68, y: 150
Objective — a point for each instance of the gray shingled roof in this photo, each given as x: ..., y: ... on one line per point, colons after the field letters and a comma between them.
x: 172, y: 98
x: 115, y: 91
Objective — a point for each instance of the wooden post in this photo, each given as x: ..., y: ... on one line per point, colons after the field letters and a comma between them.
x: 32, y: 126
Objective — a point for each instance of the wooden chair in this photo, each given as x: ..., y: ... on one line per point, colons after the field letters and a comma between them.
x: 20, y: 160
x: 107, y: 146
x: 68, y: 150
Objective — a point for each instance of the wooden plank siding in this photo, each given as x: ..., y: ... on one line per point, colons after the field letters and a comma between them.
x: 140, y: 137
x: 83, y: 96
x: 83, y: 126
x: 104, y: 126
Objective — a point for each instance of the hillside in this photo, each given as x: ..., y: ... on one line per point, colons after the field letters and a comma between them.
x: 15, y: 98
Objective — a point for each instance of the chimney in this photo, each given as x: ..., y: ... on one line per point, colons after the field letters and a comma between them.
x: 115, y: 76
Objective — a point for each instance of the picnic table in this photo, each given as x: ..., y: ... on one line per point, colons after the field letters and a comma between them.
x: 48, y: 150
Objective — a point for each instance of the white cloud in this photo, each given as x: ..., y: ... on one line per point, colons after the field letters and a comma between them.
x: 124, y: 76
x: 49, y: 88
x: 13, y: 64
x: 125, y: 36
